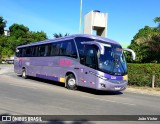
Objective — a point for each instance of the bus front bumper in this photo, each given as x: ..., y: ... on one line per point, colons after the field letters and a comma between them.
x: 112, y: 85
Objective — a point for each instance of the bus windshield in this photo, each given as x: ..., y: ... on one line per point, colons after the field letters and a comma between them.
x: 113, y: 60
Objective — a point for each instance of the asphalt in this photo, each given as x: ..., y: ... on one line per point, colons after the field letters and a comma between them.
x: 41, y: 97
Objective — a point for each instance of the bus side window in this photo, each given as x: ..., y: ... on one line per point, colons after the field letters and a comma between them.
x: 63, y: 48
x: 48, y: 51
x: 35, y: 51
x: 42, y: 50
x: 28, y: 52
x: 71, y: 49
x: 90, y: 56
x: 68, y: 48
x: 23, y: 52
x: 55, y: 49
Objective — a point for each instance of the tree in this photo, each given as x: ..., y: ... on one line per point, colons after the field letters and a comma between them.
x: 19, y: 35
x: 17, y: 30
x: 146, y: 44
x: 38, y: 36
x: 55, y: 35
x: 157, y: 19
x: 2, y: 25
x: 5, y: 50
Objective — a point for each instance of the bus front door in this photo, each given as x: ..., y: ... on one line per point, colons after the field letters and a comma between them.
x: 89, y: 67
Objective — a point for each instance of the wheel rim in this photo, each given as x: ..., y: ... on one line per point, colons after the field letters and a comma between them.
x: 71, y: 82
x: 24, y: 73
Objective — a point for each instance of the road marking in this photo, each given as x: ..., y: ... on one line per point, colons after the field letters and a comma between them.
x: 110, y: 101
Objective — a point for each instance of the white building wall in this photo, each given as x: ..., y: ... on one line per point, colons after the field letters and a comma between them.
x: 96, y: 21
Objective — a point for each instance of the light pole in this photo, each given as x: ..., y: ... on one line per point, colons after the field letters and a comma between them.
x: 80, y: 19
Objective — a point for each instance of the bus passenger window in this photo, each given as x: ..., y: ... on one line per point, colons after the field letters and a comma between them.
x: 48, y: 51
x: 35, y: 51
x: 73, y: 50
x: 63, y: 48
x: 55, y: 49
x: 23, y: 52
x: 42, y: 50
x: 68, y: 48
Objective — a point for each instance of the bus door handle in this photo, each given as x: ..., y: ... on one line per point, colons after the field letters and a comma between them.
x: 86, y: 72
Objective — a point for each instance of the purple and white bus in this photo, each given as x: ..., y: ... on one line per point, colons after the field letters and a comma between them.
x: 76, y: 60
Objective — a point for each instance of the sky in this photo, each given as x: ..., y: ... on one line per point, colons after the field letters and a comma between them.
x: 125, y: 17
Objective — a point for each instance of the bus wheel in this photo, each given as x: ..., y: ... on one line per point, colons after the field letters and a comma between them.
x: 71, y: 82
x: 24, y: 73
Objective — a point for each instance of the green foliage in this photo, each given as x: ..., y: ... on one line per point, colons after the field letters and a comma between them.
x: 19, y: 35
x: 141, y: 74
x: 2, y: 25
x: 38, y: 36
x: 144, y: 32
x: 157, y: 19
x: 17, y: 30
x: 146, y: 44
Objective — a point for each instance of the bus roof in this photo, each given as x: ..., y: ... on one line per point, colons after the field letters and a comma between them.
x: 71, y: 37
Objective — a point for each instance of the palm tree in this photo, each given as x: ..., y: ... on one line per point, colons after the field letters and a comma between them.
x: 55, y: 35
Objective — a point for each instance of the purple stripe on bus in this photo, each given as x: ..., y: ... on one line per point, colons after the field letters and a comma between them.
x: 47, y: 77
x: 113, y: 77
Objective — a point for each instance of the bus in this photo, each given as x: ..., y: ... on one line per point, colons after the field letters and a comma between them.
x: 77, y: 60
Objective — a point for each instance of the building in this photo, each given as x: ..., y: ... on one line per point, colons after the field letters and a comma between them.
x: 96, y: 21
x: 6, y: 32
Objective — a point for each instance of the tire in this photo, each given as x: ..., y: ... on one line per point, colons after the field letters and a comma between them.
x: 71, y: 82
x: 24, y: 75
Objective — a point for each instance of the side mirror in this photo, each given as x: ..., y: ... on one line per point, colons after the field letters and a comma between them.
x: 132, y: 52
x: 17, y: 50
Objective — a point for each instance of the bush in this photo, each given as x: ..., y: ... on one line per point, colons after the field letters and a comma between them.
x: 141, y: 74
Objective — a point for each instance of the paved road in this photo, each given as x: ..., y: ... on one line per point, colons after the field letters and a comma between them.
x: 40, y: 97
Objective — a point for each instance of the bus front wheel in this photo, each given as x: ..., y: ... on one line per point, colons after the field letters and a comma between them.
x: 71, y: 82
x: 24, y: 75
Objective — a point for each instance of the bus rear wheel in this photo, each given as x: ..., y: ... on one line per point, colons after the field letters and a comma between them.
x: 24, y: 75
x: 71, y: 82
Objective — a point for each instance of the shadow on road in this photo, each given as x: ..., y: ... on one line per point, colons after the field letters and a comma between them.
x: 45, y: 81
x: 98, y: 92
x: 81, y: 89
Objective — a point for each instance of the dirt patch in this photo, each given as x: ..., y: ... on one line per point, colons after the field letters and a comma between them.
x: 6, y: 68
x: 148, y: 91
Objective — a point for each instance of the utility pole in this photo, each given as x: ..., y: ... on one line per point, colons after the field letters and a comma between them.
x: 80, y: 19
